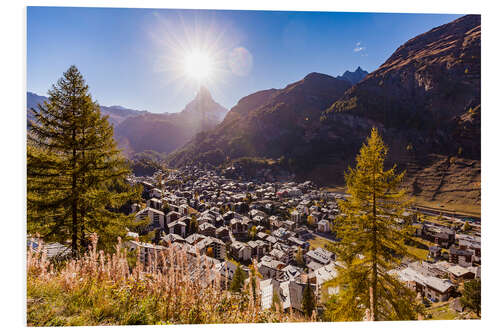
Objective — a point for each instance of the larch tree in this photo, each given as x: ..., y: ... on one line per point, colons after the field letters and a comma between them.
x: 76, y: 176
x: 372, y: 234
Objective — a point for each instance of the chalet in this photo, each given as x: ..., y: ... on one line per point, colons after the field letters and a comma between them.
x: 472, y: 245
x: 212, y: 247
x: 278, y: 255
x: 241, y: 251
x: 156, y: 217
x: 313, y: 265
x: 289, y: 293
x: 184, y: 209
x: 206, y: 218
x: 296, y: 216
x: 271, y: 269
x: 170, y: 239
x: 287, y: 250
x: 177, y: 227
x: 289, y: 225
x: 258, y: 248
x: 323, y: 226
x: 154, y: 203
x: 226, y: 269
x: 155, y: 193
x: 254, y: 212
x: 281, y: 233
x: 435, y: 252
x: 324, y: 274
x: 258, y: 220
x: 271, y: 239
x: 312, y: 219
x: 194, y: 238
x: 262, y: 235
x: 435, y: 289
x: 147, y: 252
x: 239, y: 227
x: 172, y: 216
x: 442, y: 236
x: 294, y: 241
x: 461, y: 257
x: 55, y: 250
x: 293, y: 273
x: 459, y: 274
x: 320, y: 256
x: 207, y: 229
x: 222, y: 233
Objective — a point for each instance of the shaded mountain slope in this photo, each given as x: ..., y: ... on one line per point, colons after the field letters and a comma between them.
x: 426, y: 86
x: 425, y: 100
x: 269, y: 123
x: 116, y: 113
x: 166, y: 132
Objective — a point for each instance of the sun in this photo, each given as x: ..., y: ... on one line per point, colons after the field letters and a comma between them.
x: 198, y: 65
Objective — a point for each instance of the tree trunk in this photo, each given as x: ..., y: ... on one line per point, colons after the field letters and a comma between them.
x: 74, y: 207
x: 373, y: 287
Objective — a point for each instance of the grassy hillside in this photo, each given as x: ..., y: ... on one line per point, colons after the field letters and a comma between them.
x: 103, y: 289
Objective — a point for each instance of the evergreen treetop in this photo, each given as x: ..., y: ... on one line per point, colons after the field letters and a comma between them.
x: 373, y: 234
x: 76, y: 176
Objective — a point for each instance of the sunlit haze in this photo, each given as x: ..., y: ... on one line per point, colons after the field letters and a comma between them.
x: 198, y: 66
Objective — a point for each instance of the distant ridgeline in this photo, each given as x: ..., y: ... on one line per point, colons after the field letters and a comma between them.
x: 116, y: 113
x: 425, y: 101
x: 165, y: 132
x: 353, y: 77
x: 140, y: 131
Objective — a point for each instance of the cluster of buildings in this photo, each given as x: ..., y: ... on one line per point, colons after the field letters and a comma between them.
x: 454, y: 257
x: 269, y: 224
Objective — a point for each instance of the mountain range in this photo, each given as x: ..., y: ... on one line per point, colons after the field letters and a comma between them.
x: 116, y: 113
x: 139, y: 131
x: 165, y: 132
x: 353, y: 77
x: 424, y: 99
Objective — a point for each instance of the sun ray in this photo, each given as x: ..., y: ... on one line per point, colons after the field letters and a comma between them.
x: 191, y: 52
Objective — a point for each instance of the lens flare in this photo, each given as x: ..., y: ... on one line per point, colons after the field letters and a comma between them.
x: 198, y: 65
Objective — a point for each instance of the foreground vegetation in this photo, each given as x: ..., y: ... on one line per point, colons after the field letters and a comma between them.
x: 372, y: 233
x: 103, y: 289
x: 76, y: 175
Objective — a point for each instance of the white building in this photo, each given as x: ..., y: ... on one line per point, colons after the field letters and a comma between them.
x: 156, y: 217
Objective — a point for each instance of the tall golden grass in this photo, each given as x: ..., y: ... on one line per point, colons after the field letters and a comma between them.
x: 99, y: 288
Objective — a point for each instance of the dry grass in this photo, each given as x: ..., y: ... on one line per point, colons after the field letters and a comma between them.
x: 417, y: 252
x: 102, y: 289
x: 319, y: 242
x: 450, y: 208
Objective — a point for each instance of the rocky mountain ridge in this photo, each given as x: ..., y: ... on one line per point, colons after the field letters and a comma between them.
x: 353, y: 77
x: 425, y: 100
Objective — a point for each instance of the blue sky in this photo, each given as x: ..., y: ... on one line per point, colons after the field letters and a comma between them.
x: 135, y: 57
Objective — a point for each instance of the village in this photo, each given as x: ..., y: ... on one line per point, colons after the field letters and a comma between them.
x: 283, y: 230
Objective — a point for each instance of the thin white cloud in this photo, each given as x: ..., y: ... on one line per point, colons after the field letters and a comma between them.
x: 359, y: 48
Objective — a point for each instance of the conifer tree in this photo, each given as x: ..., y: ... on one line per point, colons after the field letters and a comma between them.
x: 193, y: 225
x: 75, y: 173
x: 471, y: 297
x: 308, y: 301
x: 238, y: 280
x: 299, y: 257
x: 373, y: 233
